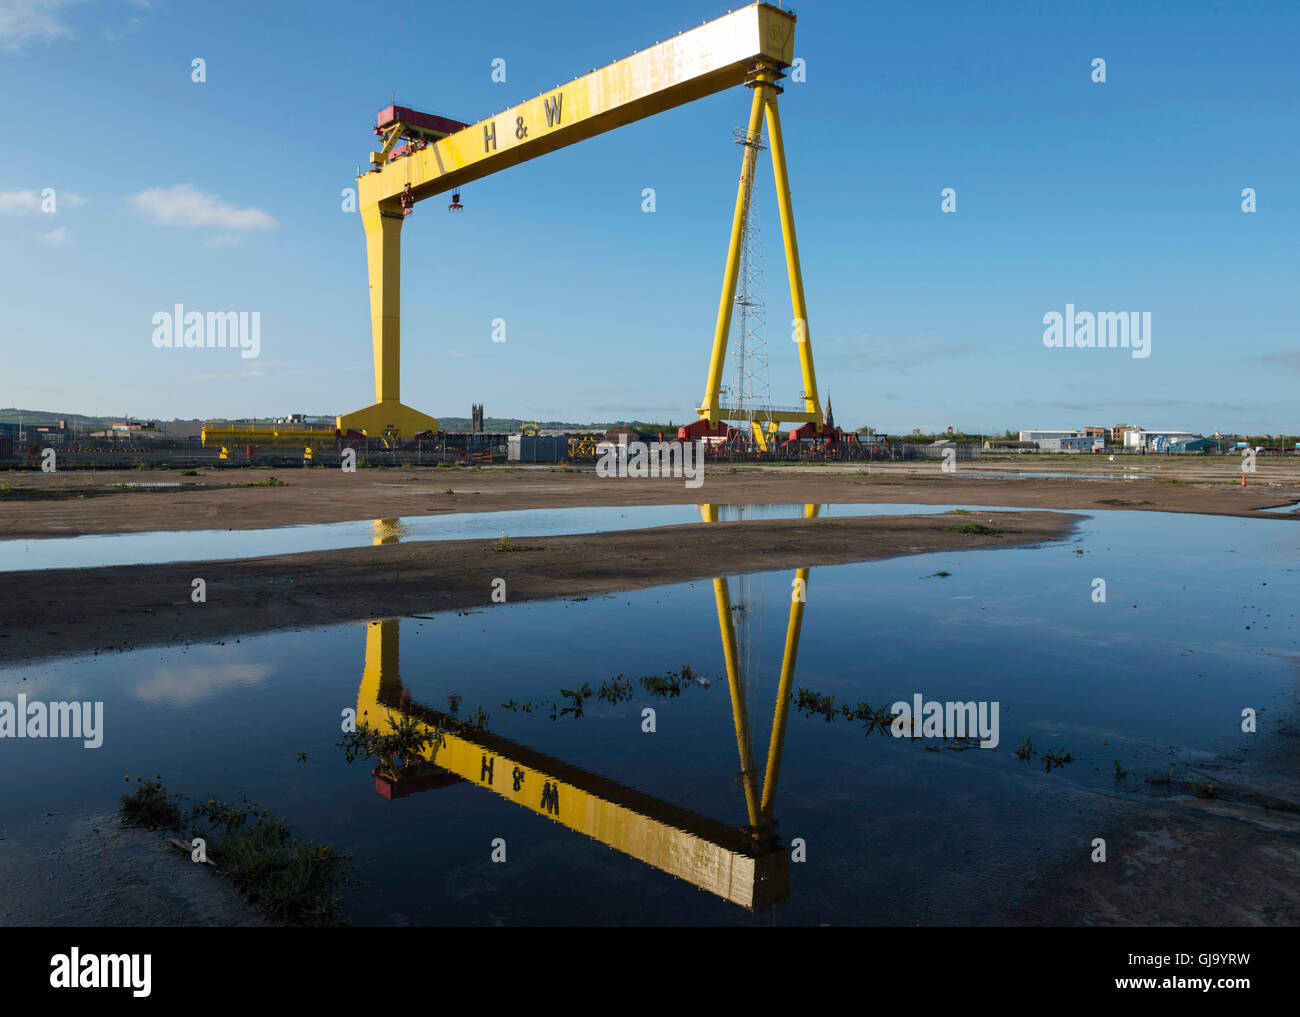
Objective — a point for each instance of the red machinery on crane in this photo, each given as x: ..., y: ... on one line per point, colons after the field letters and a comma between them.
x: 416, y: 130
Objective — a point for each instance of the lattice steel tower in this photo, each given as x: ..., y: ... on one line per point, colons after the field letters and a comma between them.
x: 750, y: 395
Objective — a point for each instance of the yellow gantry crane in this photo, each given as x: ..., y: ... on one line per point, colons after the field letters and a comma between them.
x: 750, y: 47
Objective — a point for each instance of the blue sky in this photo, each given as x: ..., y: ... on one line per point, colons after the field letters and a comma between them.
x: 225, y: 195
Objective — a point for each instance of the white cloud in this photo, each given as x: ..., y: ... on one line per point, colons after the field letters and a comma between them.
x: 29, y: 201
x: 185, y: 205
x: 24, y: 21
x: 186, y: 684
x: 19, y: 202
x: 59, y: 237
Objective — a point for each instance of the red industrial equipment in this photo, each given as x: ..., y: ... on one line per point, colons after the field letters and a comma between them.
x: 417, y: 126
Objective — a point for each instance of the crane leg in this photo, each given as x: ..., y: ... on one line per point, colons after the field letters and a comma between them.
x: 384, y: 256
x: 812, y: 403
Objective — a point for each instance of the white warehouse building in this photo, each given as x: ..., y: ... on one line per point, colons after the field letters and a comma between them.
x: 1140, y: 439
x: 1082, y: 443
x: 1050, y: 435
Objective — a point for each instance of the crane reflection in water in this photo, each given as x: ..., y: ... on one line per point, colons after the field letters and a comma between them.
x: 747, y: 865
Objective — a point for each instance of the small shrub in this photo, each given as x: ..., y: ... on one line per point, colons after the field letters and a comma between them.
x: 150, y: 806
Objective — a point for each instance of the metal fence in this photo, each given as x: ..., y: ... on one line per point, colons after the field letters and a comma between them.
x: 448, y: 449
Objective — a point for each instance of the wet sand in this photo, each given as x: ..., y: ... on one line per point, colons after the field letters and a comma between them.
x: 69, y: 504
x: 59, y: 612
x: 89, y: 871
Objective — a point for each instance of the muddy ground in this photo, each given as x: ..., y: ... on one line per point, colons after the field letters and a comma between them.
x: 92, y: 871
x: 34, y: 505
x: 66, y: 611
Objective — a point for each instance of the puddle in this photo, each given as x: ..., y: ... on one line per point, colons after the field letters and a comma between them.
x: 1067, y: 476
x: 1294, y: 507
x: 154, y: 548
x: 1200, y: 620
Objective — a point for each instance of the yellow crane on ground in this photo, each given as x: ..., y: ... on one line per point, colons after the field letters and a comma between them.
x: 751, y: 46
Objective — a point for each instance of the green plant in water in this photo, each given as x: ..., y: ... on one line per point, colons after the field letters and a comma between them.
x: 150, y: 806
x: 402, y: 745
x: 294, y: 882
x: 575, y: 699
x: 1056, y: 759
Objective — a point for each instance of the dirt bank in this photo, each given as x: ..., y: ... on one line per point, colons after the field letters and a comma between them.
x: 67, y: 611
x: 68, y: 504
x: 91, y: 871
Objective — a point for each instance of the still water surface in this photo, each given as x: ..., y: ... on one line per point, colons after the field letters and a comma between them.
x: 160, y: 546
x: 1200, y: 621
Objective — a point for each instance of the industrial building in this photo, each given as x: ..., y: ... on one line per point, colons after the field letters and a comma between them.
x: 1155, y: 440
x: 1079, y: 439
x: 1047, y: 435
x: 1076, y: 443
x: 1094, y: 439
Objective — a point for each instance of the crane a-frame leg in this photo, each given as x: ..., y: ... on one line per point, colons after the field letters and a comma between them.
x: 388, y: 415
x: 711, y: 409
x: 760, y: 808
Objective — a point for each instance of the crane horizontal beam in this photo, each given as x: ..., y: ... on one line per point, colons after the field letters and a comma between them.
x: 725, y: 860
x: 717, y: 55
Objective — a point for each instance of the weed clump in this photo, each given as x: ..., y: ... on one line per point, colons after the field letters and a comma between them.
x: 150, y: 806
x: 294, y: 882
x: 979, y: 528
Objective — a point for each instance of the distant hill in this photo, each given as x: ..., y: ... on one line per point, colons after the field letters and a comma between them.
x: 79, y: 420
x: 192, y: 425
x: 499, y: 424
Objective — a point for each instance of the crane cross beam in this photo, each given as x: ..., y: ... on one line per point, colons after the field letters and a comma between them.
x: 700, y: 62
